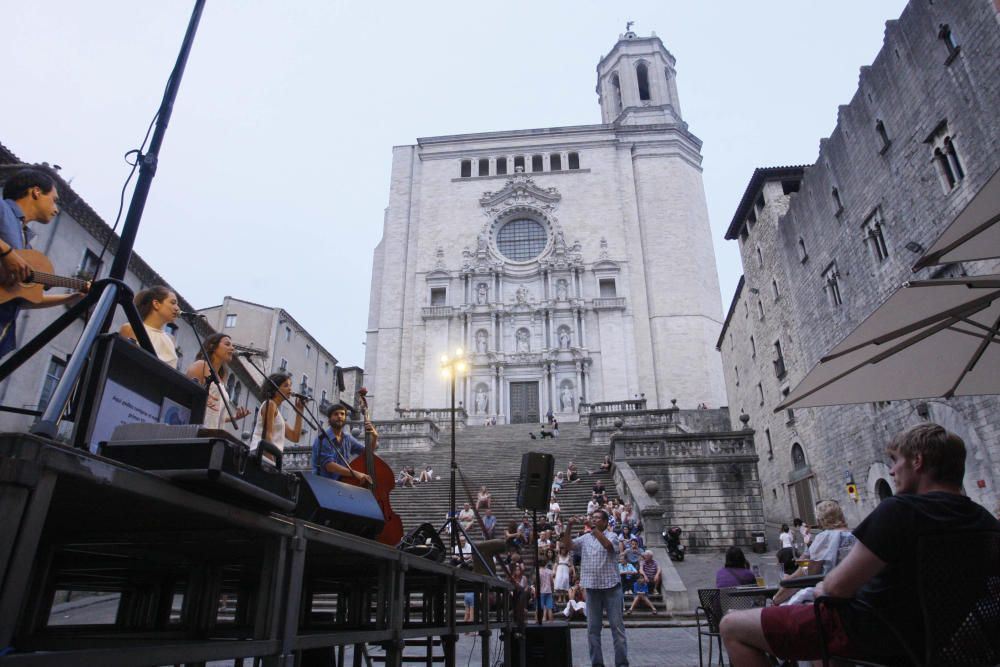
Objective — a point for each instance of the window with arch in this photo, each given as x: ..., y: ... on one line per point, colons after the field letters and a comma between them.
x: 798, y: 457
x: 616, y: 93
x: 642, y: 78
x: 521, y: 239
x: 944, y: 155
x: 882, y: 489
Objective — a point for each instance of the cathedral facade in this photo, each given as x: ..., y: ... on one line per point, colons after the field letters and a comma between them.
x: 572, y: 265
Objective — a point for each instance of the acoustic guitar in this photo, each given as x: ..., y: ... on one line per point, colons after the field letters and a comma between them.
x: 41, y: 278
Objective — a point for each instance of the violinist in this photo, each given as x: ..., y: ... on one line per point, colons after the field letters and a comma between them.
x: 333, y: 452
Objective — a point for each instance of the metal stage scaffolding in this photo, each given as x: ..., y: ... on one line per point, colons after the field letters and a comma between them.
x: 201, y: 580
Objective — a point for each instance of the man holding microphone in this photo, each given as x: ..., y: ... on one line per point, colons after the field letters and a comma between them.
x: 599, y: 575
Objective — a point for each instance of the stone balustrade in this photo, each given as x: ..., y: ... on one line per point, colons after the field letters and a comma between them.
x: 437, y: 312
x: 629, y: 405
x: 440, y: 416
x: 610, y: 303
x: 705, y: 446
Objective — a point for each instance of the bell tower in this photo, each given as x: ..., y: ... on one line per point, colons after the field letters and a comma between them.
x: 636, y: 82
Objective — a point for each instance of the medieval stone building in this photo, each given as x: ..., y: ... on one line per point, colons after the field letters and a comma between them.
x: 823, y: 245
x: 573, y: 265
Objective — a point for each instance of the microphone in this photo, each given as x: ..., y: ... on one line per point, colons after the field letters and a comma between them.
x: 302, y: 396
x: 248, y: 353
x: 189, y: 315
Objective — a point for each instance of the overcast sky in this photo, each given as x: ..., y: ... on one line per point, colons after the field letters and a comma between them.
x: 274, y: 173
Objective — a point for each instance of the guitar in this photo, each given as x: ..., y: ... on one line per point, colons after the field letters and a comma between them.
x: 40, y: 279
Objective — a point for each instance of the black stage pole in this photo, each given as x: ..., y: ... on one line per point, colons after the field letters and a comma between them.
x: 112, y: 290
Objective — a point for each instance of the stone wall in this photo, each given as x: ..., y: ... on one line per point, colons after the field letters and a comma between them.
x: 706, y: 483
x: 916, y: 91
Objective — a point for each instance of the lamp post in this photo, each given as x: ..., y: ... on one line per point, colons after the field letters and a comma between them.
x: 451, y: 368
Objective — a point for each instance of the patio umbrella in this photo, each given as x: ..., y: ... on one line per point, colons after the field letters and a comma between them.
x: 974, y: 234
x: 930, y: 338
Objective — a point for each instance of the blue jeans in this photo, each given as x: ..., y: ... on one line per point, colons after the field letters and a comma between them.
x: 599, y: 602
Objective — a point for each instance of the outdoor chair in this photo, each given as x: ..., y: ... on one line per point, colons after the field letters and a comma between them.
x: 711, y: 608
x: 958, y: 584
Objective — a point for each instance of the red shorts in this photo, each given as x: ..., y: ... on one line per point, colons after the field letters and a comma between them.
x: 792, y: 633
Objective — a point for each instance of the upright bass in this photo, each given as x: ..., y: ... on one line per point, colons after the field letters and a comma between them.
x: 383, y: 480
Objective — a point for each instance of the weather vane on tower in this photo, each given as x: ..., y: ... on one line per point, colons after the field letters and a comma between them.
x: 628, y: 26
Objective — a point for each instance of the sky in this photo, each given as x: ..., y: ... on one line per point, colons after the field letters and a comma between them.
x: 274, y: 172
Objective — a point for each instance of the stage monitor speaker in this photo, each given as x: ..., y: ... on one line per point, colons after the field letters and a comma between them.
x: 547, y: 645
x: 535, y: 483
x: 340, y: 506
x: 124, y: 384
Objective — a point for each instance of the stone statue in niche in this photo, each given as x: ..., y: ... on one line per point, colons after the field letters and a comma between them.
x: 482, y: 292
x: 566, y: 399
x: 523, y: 343
x: 481, y: 242
x: 482, y: 401
x: 564, y: 339
x: 521, y: 295
x: 560, y: 242
x: 481, y: 342
x: 562, y: 289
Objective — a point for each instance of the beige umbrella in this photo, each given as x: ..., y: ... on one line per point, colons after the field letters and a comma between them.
x: 930, y: 338
x: 974, y: 234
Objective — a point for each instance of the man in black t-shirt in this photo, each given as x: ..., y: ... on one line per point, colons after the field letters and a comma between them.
x: 928, y: 464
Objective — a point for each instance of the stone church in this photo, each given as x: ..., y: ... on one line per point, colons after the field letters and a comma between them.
x: 573, y: 265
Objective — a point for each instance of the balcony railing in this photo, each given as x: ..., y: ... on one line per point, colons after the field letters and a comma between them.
x: 438, y: 312
x: 610, y: 303
x: 630, y: 405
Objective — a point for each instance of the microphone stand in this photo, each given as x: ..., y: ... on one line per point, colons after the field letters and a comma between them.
x: 213, y: 377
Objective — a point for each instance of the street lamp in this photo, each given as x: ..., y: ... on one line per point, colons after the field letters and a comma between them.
x: 452, y: 367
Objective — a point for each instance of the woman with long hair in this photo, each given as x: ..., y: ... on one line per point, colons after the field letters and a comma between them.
x: 270, y: 424
x: 220, y: 352
x: 157, y: 307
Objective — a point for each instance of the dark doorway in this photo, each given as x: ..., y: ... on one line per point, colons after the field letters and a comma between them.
x: 524, y: 403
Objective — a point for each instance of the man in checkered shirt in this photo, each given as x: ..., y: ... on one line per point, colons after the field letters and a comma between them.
x: 599, y: 575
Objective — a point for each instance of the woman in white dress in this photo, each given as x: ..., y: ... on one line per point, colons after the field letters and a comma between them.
x: 220, y: 352
x: 157, y: 307
x: 271, y: 426
x: 564, y: 568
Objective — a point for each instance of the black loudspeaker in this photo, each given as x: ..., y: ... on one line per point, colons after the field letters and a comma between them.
x: 547, y: 645
x: 535, y: 483
x: 340, y: 506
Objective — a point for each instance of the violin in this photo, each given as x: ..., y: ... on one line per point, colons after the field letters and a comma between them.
x: 383, y: 481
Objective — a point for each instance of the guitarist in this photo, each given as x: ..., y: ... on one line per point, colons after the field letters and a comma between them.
x: 332, y: 453
x: 29, y: 195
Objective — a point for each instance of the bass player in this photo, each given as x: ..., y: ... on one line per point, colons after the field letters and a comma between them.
x: 333, y: 451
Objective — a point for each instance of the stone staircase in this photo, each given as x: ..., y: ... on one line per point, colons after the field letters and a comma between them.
x: 491, y: 456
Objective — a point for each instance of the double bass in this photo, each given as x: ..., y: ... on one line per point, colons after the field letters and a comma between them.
x: 383, y: 481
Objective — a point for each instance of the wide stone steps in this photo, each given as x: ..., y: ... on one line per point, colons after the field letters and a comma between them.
x: 491, y: 456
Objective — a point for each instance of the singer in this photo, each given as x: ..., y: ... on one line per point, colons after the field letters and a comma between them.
x: 220, y: 352
x: 333, y: 453
x: 270, y: 424
x: 157, y: 307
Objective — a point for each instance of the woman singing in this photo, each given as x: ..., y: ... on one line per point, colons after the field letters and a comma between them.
x: 157, y: 307
x: 270, y: 424
x: 220, y: 352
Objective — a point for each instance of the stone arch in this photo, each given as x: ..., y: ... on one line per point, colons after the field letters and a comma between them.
x: 642, y: 80
x: 798, y: 457
x: 616, y: 93
x: 882, y: 489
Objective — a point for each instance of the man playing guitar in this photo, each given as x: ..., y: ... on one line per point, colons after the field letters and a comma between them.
x: 333, y: 453
x: 29, y: 195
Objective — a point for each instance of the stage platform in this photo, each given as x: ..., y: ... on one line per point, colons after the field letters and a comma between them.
x: 201, y: 579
